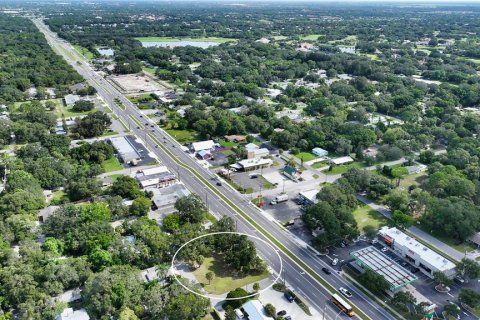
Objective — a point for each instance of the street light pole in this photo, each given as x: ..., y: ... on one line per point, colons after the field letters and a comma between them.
x: 338, y: 314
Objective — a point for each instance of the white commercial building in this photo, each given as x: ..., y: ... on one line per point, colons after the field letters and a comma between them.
x: 126, y: 152
x: 158, y: 176
x: 427, y: 260
x: 258, y: 153
x: 309, y: 197
x: 202, y: 145
x: 341, y: 160
x: 252, y: 164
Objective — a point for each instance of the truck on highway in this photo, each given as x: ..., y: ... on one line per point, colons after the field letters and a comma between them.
x: 279, y: 198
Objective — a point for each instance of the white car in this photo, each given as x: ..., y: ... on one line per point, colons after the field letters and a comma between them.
x: 345, y: 292
x: 334, y: 262
x: 384, y: 249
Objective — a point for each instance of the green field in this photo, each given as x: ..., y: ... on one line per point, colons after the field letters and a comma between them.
x: 307, y: 156
x: 373, y: 57
x: 150, y: 71
x: 223, y: 280
x: 84, y: 52
x: 311, y: 37
x: 112, y: 164
x: 366, y: 216
x: 183, y: 136
x: 343, y: 168
x: 169, y: 39
x: 462, y: 247
x: 415, y: 179
x: 58, y: 103
x: 279, y: 38
x: 227, y: 144
x: 68, y: 112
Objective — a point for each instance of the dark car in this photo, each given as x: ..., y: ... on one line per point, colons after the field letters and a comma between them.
x: 289, y: 296
x: 281, y: 313
x: 219, y: 183
x: 326, y: 270
x: 287, y: 318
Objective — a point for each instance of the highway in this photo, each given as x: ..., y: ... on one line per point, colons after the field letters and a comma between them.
x: 302, y: 268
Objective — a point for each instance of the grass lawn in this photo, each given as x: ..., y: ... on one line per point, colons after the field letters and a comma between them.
x: 58, y: 102
x: 84, y: 52
x: 202, y: 39
x: 416, y: 179
x: 266, y: 184
x: 194, y: 65
x: 112, y: 164
x: 57, y: 196
x: 149, y: 70
x: 61, y: 109
x: 311, y: 37
x: 343, y: 168
x: 223, y: 280
x: 307, y: 156
x: 183, y: 136
x: 318, y: 165
x: 364, y: 215
x: 373, y: 57
x: 228, y: 152
x: 278, y: 38
x: 227, y: 144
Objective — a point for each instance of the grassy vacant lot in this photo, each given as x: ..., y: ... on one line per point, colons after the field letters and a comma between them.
x: 364, y: 215
x: 343, y: 168
x: 84, y: 52
x: 311, y: 37
x: 61, y: 109
x: 373, y: 57
x: 183, y: 136
x: 307, y: 156
x: 149, y: 70
x: 16, y: 105
x: 202, y: 39
x: 462, y: 247
x: 416, y: 179
x: 224, y: 279
x: 227, y: 144
x: 112, y: 164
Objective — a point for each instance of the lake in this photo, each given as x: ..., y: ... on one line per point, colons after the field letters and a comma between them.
x: 180, y: 43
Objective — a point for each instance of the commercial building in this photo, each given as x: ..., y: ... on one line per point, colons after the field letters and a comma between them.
x: 320, y: 152
x: 251, y: 146
x: 258, y: 153
x: 126, y: 152
x: 158, y: 177
x: 427, y: 260
x: 252, y: 164
x: 341, y: 160
x: 165, y: 198
x: 202, y: 145
x: 371, y: 258
x: 308, y: 198
x: 204, y: 154
x: 254, y: 310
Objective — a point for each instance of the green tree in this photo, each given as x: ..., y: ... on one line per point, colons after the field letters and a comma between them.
x: 469, y: 297
x: 469, y: 268
x: 230, y: 313
x: 237, y: 303
x: 441, y: 279
x: 374, y: 282
x: 270, y: 310
x: 256, y: 286
x: 187, y: 306
x: 171, y: 223
x: 402, y: 220
x: 451, y: 310
x: 127, y: 314
x: 83, y: 106
x: 100, y: 259
x: 93, y: 125
x: 209, y: 276
x: 370, y: 231
x: 191, y: 208
x: 397, y: 200
x: 53, y: 245
x: 126, y: 187
x: 403, y: 299
x: 95, y: 212
x: 140, y: 206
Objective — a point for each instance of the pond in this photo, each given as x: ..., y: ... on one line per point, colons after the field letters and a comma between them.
x: 105, y: 51
x: 180, y: 43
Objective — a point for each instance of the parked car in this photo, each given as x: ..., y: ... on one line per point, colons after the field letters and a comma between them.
x: 219, y: 183
x: 281, y: 313
x: 334, y: 262
x: 287, y: 318
x: 326, y: 270
x: 384, y: 249
x: 374, y: 241
x: 404, y: 264
x: 459, y: 279
x: 345, y: 292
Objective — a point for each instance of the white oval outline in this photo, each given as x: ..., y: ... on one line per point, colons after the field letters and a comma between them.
x: 174, y: 269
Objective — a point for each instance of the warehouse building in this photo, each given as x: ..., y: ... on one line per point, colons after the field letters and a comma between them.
x: 427, y: 260
x: 126, y: 152
x: 372, y: 259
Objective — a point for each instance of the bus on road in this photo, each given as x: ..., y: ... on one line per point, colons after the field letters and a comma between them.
x: 343, y: 305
